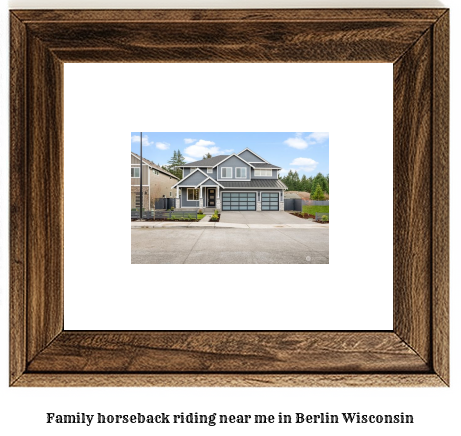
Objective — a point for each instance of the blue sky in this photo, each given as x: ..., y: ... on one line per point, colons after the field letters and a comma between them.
x: 308, y: 153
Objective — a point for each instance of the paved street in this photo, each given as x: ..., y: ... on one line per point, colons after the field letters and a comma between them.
x: 205, y: 245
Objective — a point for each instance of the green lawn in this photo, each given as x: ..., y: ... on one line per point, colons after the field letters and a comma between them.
x: 313, y: 209
x: 200, y: 216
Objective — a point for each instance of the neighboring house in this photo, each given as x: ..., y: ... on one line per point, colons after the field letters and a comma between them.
x: 243, y: 181
x: 156, y: 182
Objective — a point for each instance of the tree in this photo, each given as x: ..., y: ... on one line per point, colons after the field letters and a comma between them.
x: 175, y: 162
x: 207, y: 156
x: 318, y: 193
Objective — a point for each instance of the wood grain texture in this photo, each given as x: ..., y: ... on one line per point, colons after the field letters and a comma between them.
x: 242, y: 41
x: 230, y: 380
x: 227, y: 352
x: 440, y: 208
x: 18, y: 212
x: 415, y: 354
x: 45, y: 200
x: 204, y: 15
x: 413, y: 196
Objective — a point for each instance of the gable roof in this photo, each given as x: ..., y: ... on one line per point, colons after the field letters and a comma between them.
x: 251, y: 151
x: 155, y: 166
x: 209, y: 178
x: 210, y: 162
x: 236, y: 155
x: 192, y: 172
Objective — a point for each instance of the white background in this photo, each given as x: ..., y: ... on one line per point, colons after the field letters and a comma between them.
x: 435, y: 410
x: 104, y: 103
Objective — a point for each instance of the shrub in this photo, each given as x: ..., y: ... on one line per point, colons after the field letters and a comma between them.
x: 200, y: 211
x: 189, y: 216
x: 324, y: 218
x: 216, y: 211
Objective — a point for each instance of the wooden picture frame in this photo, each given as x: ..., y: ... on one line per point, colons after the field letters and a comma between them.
x: 414, y: 353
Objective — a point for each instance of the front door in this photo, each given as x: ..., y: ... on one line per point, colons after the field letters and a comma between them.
x: 212, y: 197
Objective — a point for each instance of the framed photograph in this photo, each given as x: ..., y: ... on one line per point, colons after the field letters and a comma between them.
x: 415, y: 352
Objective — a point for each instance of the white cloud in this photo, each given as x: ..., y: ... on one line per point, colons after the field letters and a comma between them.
x: 198, y: 151
x: 317, y: 137
x: 189, y: 159
x: 189, y: 140
x: 162, y: 145
x: 283, y: 172
x: 296, y: 142
x: 304, y: 163
x: 203, y: 143
x: 145, y: 140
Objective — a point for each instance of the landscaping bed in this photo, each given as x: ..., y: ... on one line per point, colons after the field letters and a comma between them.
x: 302, y: 215
x: 215, y: 220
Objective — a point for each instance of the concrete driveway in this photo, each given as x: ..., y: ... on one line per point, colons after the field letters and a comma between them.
x: 197, y: 245
x: 274, y: 217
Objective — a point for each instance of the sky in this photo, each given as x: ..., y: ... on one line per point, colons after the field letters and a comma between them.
x: 308, y: 153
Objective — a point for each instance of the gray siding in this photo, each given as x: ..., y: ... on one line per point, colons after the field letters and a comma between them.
x: 194, y: 179
x: 234, y: 162
x: 274, y: 175
x: 184, y: 202
x: 185, y: 172
x: 210, y: 183
x: 250, y: 157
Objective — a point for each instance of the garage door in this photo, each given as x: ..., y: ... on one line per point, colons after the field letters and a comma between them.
x: 238, y: 201
x: 269, y: 201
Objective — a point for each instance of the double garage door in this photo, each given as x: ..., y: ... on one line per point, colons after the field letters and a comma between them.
x: 247, y: 201
x: 239, y: 201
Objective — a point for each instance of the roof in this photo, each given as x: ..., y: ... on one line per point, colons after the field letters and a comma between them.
x: 265, y: 165
x: 259, y: 184
x: 238, y: 157
x: 210, y: 162
x: 152, y: 165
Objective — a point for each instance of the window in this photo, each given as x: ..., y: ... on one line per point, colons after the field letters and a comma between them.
x: 192, y: 169
x: 226, y: 173
x: 192, y: 194
x: 155, y: 172
x: 263, y: 173
x: 170, y: 193
x: 241, y: 173
x: 209, y: 170
x: 135, y: 172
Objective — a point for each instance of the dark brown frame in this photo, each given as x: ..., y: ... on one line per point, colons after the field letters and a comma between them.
x: 415, y: 353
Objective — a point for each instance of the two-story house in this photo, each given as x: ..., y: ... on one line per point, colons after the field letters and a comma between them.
x: 243, y: 181
x: 156, y: 182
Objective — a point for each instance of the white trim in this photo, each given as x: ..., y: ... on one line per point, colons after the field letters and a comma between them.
x: 226, y: 168
x: 192, y: 172
x: 251, y: 151
x: 139, y: 171
x: 209, y: 178
x: 150, y: 166
x: 187, y: 195
x: 262, y: 169
x: 236, y: 155
x: 241, y: 168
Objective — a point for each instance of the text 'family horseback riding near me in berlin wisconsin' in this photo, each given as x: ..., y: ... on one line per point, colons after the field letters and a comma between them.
x: 215, y: 418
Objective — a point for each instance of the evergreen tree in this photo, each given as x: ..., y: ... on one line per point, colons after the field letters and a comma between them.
x: 318, y: 193
x: 296, y: 182
x: 303, y: 184
x: 207, y: 156
x: 175, y: 162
